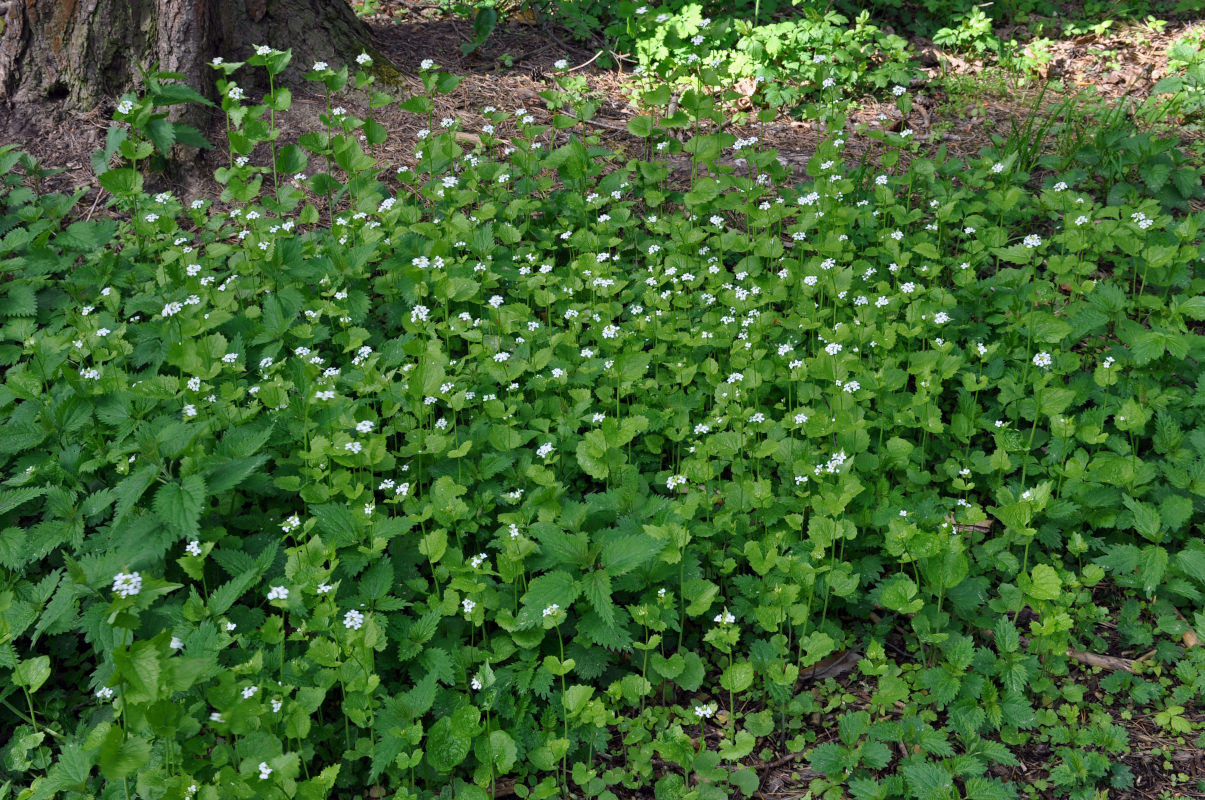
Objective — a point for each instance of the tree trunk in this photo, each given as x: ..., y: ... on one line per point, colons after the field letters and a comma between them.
x: 85, y: 53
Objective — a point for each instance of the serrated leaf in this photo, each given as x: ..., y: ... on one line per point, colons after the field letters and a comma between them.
x: 222, y: 598
x: 928, y: 781
x: 13, y: 498
x: 138, y: 667
x: 121, y: 756
x: 622, y: 554
x: 596, y: 587
x: 130, y: 490
x: 557, y: 588
x: 179, y: 505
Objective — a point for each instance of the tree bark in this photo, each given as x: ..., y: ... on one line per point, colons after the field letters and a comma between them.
x: 85, y: 53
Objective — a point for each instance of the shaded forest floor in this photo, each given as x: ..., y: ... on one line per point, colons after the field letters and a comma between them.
x: 960, y: 103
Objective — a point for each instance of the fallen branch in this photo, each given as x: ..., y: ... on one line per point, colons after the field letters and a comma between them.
x: 1091, y: 659
x: 806, y: 774
x: 586, y: 64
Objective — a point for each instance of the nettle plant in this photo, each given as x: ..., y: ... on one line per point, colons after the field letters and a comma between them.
x: 411, y: 481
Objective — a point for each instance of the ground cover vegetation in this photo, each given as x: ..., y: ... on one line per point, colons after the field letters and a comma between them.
x: 544, y: 468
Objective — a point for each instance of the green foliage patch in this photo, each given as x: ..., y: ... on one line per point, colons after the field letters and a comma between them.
x: 535, y: 462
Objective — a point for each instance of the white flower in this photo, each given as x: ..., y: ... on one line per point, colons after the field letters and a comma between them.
x: 263, y: 50
x: 230, y: 626
x: 250, y: 692
x: 832, y: 348
x: 475, y: 684
x: 193, y: 548
x: 1032, y: 240
x: 725, y: 618
x: 324, y: 588
x: 353, y: 620
x: 127, y: 584
x: 215, y: 716
x: 941, y: 318
x: 125, y: 107
x: 552, y: 609
x: 1043, y: 360
x: 365, y: 426
x: 353, y: 447
x: 277, y: 705
x: 427, y: 64
x: 704, y: 712
x: 545, y: 450
x: 321, y: 66
x: 468, y: 605
x: 104, y: 693
x: 278, y: 593
x: 364, y: 59
x: 997, y: 168
x: 264, y: 770
x: 561, y: 63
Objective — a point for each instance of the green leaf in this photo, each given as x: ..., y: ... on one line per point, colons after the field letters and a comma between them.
x: 553, y: 588
x: 1192, y: 563
x: 640, y: 126
x: 138, y: 667
x: 1044, y: 583
x: 124, y: 181
x: 434, y: 545
x: 446, y: 746
x: 623, y: 553
x: 1193, y: 307
x: 499, y: 748
x: 702, y: 192
x: 737, y: 677
x: 222, y: 598
x: 179, y: 505
x: 980, y: 788
x: 1146, y: 519
x: 596, y: 587
x: 87, y: 237
x: 162, y: 133
x: 928, y: 781
x: 122, y: 756
x: 1008, y: 638
x: 484, y: 23
x: 899, y: 594
x: 190, y: 136
x: 32, y: 673
x: 14, y: 498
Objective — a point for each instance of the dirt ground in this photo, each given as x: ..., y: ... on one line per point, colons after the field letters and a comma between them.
x: 958, y: 103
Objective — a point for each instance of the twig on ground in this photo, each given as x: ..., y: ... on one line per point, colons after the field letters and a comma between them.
x: 586, y: 64
x: 99, y: 193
